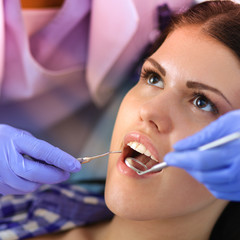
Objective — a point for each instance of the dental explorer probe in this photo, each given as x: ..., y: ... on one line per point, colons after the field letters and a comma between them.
x: 88, y: 159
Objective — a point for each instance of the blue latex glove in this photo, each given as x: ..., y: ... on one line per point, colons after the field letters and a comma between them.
x: 19, y: 175
x: 217, y: 168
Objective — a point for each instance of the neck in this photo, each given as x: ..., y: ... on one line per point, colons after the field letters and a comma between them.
x: 33, y: 4
x: 194, y: 226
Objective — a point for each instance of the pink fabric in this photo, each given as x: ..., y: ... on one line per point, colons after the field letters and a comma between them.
x: 119, y: 31
x: 36, y: 19
x: 48, y: 75
x: 43, y: 79
x: 51, y: 57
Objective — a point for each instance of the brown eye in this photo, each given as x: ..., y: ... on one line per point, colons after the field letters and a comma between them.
x: 203, y: 103
x: 154, y: 79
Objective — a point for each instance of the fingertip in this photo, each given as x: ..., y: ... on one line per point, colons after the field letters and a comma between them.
x: 76, y: 166
x: 58, y: 177
x: 177, y: 145
x: 32, y: 188
x: 64, y: 177
x: 178, y: 159
x: 170, y: 159
x: 184, y: 144
x: 66, y: 162
x: 73, y: 165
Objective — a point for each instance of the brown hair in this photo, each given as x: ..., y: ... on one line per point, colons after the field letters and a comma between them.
x: 218, y: 19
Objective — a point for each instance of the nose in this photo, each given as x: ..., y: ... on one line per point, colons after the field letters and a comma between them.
x: 156, y: 113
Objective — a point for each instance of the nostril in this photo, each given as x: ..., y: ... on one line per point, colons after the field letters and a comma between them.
x: 161, y: 125
x: 154, y: 124
x: 158, y: 119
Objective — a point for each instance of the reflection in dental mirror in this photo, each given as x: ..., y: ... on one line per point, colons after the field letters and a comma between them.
x: 135, y: 165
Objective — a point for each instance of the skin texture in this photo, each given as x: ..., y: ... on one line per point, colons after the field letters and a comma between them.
x: 166, y: 112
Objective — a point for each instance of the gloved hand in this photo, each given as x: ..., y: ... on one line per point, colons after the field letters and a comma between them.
x: 18, y: 174
x: 217, y: 168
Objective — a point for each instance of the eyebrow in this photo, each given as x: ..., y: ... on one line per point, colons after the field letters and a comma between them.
x: 157, y: 65
x: 189, y: 84
x: 201, y: 86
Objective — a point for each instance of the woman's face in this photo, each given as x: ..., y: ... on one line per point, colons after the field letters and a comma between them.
x: 187, y: 83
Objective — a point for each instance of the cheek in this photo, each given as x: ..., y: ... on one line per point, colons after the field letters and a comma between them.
x: 185, y: 126
x: 185, y: 190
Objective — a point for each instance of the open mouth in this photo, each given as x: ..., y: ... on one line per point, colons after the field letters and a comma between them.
x: 136, y: 150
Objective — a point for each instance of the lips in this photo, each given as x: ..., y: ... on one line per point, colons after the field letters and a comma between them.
x: 140, y: 147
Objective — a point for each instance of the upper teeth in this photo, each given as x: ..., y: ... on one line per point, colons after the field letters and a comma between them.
x: 141, y: 149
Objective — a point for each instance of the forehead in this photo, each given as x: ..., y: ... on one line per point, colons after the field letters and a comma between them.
x: 190, y: 54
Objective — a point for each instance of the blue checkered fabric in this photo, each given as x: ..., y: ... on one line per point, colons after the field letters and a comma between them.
x: 52, y: 208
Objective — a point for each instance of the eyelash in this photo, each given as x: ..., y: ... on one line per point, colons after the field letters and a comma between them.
x: 147, y: 72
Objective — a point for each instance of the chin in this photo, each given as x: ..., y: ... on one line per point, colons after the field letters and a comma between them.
x: 128, y: 211
x: 123, y: 203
